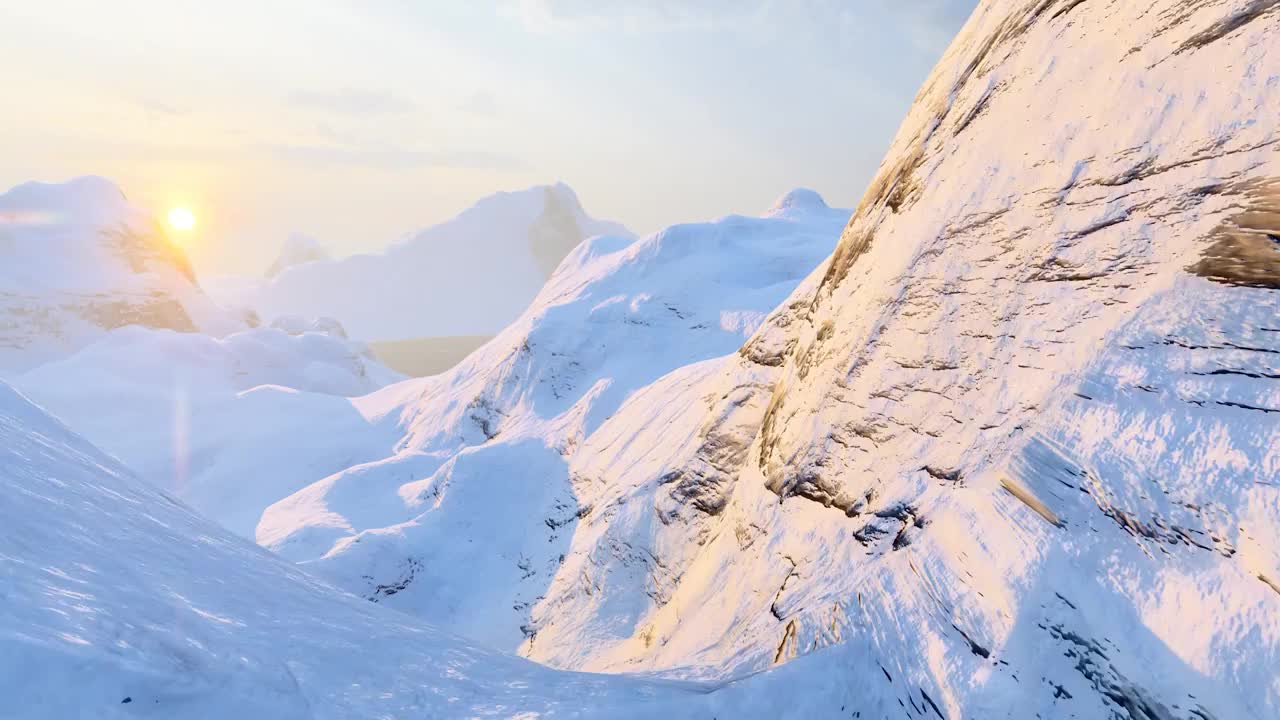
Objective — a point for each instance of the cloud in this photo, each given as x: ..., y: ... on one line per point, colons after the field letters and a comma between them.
x: 354, y: 101
x: 548, y: 15
x: 930, y: 25
x: 390, y: 158
x: 158, y: 107
x: 928, y: 22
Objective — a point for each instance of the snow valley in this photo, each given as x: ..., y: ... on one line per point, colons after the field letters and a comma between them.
x: 1003, y: 441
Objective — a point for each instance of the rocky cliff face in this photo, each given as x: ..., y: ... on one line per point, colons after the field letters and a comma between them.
x: 1016, y: 446
x: 76, y: 260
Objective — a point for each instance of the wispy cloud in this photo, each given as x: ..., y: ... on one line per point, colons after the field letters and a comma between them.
x: 353, y: 101
x: 391, y: 158
x: 929, y: 22
x: 548, y: 15
x: 930, y: 25
x: 158, y: 107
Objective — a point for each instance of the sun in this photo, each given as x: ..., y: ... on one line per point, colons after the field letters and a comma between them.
x: 181, y: 219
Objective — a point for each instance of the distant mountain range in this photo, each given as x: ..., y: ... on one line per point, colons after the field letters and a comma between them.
x: 468, y: 276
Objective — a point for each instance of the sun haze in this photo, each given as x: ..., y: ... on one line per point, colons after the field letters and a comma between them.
x: 181, y: 219
x: 285, y: 117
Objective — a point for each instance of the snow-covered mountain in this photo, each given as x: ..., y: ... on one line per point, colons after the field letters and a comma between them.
x: 484, y: 266
x: 122, y: 603
x: 467, y: 520
x: 102, y: 321
x: 297, y: 250
x: 232, y: 426
x: 77, y: 260
x: 1013, y: 449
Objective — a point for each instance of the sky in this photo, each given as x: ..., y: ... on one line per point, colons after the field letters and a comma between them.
x: 360, y: 122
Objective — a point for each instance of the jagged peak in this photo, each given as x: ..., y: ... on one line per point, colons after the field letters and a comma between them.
x: 297, y: 249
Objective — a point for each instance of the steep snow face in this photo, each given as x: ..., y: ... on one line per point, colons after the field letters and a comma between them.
x: 485, y: 266
x: 469, y: 519
x: 76, y: 260
x: 1015, y: 448
x: 228, y: 425
x: 297, y: 250
x: 120, y: 603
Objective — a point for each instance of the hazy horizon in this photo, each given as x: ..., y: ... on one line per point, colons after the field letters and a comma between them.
x: 268, y: 121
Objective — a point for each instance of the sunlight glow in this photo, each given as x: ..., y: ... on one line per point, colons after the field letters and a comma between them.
x: 181, y: 219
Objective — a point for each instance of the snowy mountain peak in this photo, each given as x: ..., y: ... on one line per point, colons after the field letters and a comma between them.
x: 85, y: 200
x: 297, y: 250
x: 486, y: 264
x: 526, y: 200
x: 798, y: 200
x: 77, y: 260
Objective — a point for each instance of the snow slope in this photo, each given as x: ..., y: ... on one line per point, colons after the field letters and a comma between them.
x: 228, y: 425
x: 485, y: 266
x: 76, y: 260
x: 467, y: 520
x: 119, y: 602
